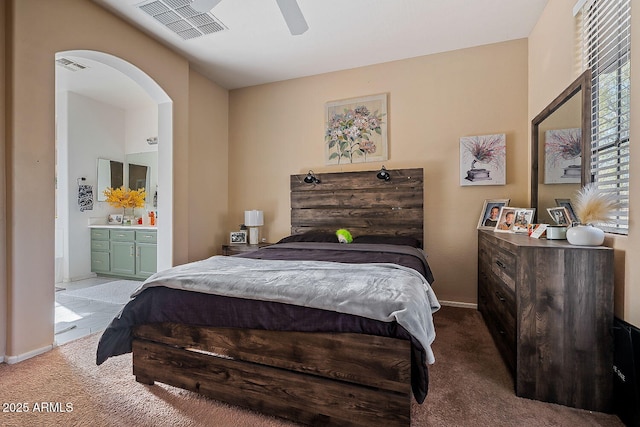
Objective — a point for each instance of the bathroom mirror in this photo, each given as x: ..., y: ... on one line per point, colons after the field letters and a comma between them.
x: 560, y: 148
x: 110, y: 174
x: 142, y: 170
x: 138, y: 176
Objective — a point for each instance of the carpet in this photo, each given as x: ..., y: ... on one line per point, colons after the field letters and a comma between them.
x: 116, y: 292
x: 469, y: 386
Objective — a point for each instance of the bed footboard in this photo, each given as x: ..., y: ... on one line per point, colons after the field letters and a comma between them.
x: 314, y: 378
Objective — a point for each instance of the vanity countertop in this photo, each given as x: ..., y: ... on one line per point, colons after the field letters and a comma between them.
x: 125, y: 227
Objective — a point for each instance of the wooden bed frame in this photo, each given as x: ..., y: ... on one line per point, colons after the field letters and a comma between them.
x: 314, y: 378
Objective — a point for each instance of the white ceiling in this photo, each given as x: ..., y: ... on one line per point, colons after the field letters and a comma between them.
x: 258, y: 48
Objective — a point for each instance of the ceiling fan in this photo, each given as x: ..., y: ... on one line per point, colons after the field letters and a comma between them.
x: 289, y: 9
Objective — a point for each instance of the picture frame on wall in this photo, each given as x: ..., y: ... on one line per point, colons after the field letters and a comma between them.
x: 490, y: 213
x: 238, y: 237
x: 483, y: 160
x: 356, y: 130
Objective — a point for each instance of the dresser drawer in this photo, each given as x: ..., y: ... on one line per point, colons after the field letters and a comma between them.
x: 503, y: 266
x: 99, y: 234
x: 123, y: 235
x: 500, y: 313
x: 143, y: 236
x: 100, y: 245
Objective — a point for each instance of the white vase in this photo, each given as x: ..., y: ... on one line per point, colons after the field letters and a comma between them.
x: 585, y: 235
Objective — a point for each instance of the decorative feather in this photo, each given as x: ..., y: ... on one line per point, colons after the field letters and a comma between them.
x: 594, y: 205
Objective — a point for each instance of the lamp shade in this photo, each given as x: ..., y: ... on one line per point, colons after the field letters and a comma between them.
x: 253, y: 218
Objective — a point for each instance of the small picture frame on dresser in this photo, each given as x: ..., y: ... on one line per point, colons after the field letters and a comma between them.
x: 491, y: 213
x: 114, y: 219
x: 506, y: 219
x: 238, y: 237
x: 560, y: 215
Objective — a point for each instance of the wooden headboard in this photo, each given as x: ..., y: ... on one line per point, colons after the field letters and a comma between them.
x: 360, y: 202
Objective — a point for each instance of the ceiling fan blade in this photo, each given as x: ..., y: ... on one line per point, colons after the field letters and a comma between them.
x: 204, y: 6
x: 292, y: 16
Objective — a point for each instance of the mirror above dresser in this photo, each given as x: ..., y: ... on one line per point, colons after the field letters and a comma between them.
x: 560, y: 137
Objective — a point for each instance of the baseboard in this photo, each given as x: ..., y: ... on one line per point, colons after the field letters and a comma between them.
x: 459, y: 304
x: 1, y: 359
x: 28, y: 355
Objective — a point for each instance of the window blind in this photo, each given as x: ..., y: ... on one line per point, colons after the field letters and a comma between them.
x: 606, y: 42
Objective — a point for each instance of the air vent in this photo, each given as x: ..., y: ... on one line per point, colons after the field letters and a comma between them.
x: 70, y: 65
x: 182, y: 19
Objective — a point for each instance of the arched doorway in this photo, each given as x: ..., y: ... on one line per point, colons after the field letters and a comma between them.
x: 165, y: 144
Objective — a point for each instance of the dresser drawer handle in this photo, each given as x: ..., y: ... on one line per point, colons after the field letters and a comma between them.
x: 500, y: 297
x: 501, y: 264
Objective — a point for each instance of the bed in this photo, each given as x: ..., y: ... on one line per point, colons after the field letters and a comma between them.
x: 314, y: 362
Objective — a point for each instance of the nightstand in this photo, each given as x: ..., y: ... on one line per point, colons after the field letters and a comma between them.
x: 240, y: 249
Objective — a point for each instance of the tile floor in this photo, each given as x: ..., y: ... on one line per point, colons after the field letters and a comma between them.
x: 78, y: 317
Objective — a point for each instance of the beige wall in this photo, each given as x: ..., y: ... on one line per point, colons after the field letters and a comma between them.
x: 553, y: 66
x: 3, y: 224
x: 276, y: 130
x: 39, y: 30
x: 208, y: 166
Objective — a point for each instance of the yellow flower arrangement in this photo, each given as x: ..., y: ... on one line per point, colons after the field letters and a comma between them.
x: 125, y: 198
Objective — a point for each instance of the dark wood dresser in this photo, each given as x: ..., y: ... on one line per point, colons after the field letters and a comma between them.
x: 549, y: 308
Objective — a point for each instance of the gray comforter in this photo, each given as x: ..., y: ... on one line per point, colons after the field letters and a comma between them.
x: 381, y: 291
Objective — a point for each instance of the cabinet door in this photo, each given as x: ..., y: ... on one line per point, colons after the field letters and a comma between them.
x: 146, y: 259
x: 123, y: 260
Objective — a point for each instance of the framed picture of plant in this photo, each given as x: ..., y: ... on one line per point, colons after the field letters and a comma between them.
x: 483, y: 160
x: 356, y: 130
x: 490, y: 213
x: 562, y: 156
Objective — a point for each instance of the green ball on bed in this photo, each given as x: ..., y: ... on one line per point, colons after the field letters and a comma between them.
x: 344, y: 236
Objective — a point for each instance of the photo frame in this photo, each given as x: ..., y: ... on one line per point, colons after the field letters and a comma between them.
x: 487, y: 221
x: 114, y: 219
x: 560, y: 215
x: 238, y: 237
x: 523, y: 220
x: 356, y: 130
x: 506, y: 220
x: 483, y: 160
x: 566, y: 203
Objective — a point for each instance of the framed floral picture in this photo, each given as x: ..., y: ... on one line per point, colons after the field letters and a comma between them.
x: 563, y: 156
x: 483, y: 160
x: 356, y: 130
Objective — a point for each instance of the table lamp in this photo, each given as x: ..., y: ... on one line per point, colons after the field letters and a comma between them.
x: 253, y: 219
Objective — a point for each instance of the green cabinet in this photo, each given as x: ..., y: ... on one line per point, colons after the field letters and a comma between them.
x: 124, y: 252
x: 100, y: 256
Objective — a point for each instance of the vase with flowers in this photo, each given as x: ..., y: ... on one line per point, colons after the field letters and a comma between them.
x: 592, y: 205
x: 126, y: 199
